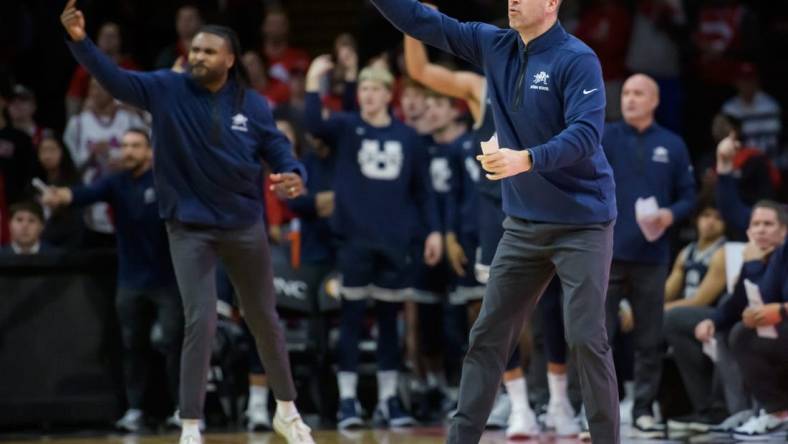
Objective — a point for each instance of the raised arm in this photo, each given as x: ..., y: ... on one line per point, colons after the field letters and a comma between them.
x: 437, y: 29
x: 328, y: 127
x: 465, y: 85
x: 128, y: 86
x: 675, y: 281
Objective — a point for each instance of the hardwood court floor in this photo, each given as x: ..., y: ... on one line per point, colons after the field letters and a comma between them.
x: 413, y: 436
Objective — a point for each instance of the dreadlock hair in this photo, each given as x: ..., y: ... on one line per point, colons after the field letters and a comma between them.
x: 237, y: 72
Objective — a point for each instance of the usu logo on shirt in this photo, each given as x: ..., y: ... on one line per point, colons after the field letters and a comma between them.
x: 381, y: 164
x: 660, y: 155
x: 239, y: 123
x: 540, y: 81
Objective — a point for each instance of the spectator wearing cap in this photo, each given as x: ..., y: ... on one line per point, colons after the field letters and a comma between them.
x: 27, y: 224
x: 759, y: 113
x: 17, y: 161
x: 22, y: 110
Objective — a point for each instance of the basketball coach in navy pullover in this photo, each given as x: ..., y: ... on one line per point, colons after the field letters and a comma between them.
x: 548, y: 101
x: 648, y: 160
x: 146, y: 282
x: 210, y: 135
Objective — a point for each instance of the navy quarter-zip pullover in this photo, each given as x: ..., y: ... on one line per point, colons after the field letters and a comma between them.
x: 652, y: 163
x: 143, y: 250
x: 207, y: 150
x: 547, y: 97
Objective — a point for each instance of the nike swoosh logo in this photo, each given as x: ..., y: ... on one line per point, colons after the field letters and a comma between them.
x: 587, y: 92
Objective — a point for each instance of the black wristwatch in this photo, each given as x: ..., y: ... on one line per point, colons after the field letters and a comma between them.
x: 784, y: 311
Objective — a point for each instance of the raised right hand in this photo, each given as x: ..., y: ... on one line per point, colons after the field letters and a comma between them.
x: 73, y: 20
x: 320, y: 66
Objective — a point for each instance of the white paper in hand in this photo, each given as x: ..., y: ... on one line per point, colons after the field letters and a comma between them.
x: 710, y: 349
x: 646, y: 213
x: 755, y: 300
x: 490, y: 146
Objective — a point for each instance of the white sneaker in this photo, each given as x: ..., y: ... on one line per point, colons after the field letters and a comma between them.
x: 190, y: 438
x: 257, y: 418
x: 131, y: 421
x: 522, y: 425
x: 763, y: 427
x: 293, y: 430
x: 561, y: 417
x: 502, y: 409
x: 646, y: 427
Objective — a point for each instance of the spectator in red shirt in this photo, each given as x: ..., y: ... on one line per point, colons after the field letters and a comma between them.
x: 188, y: 21
x: 276, y: 91
x: 606, y: 27
x: 723, y: 34
x: 280, y: 57
x: 110, y: 42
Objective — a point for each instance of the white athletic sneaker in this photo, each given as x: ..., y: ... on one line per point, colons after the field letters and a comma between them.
x: 257, y: 418
x: 561, y: 417
x: 190, y: 438
x: 293, y: 430
x: 131, y: 421
x: 522, y: 425
x: 499, y: 417
x: 763, y: 427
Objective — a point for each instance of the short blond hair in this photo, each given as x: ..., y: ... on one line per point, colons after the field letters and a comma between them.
x: 377, y: 75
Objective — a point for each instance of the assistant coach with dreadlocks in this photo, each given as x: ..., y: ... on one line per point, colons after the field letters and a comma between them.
x: 210, y: 131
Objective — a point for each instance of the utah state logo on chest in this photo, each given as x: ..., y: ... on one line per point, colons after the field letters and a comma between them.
x: 380, y: 161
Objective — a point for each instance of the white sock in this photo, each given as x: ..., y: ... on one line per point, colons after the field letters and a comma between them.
x: 258, y: 396
x: 557, y: 383
x: 347, y: 382
x: 190, y: 427
x: 518, y: 394
x: 387, y: 384
x: 286, y: 409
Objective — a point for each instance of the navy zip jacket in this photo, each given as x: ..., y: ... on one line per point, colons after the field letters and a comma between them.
x: 143, y: 251
x: 652, y: 163
x: 547, y: 97
x: 207, y: 149
x: 774, y: 283
x: 729, y: 311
